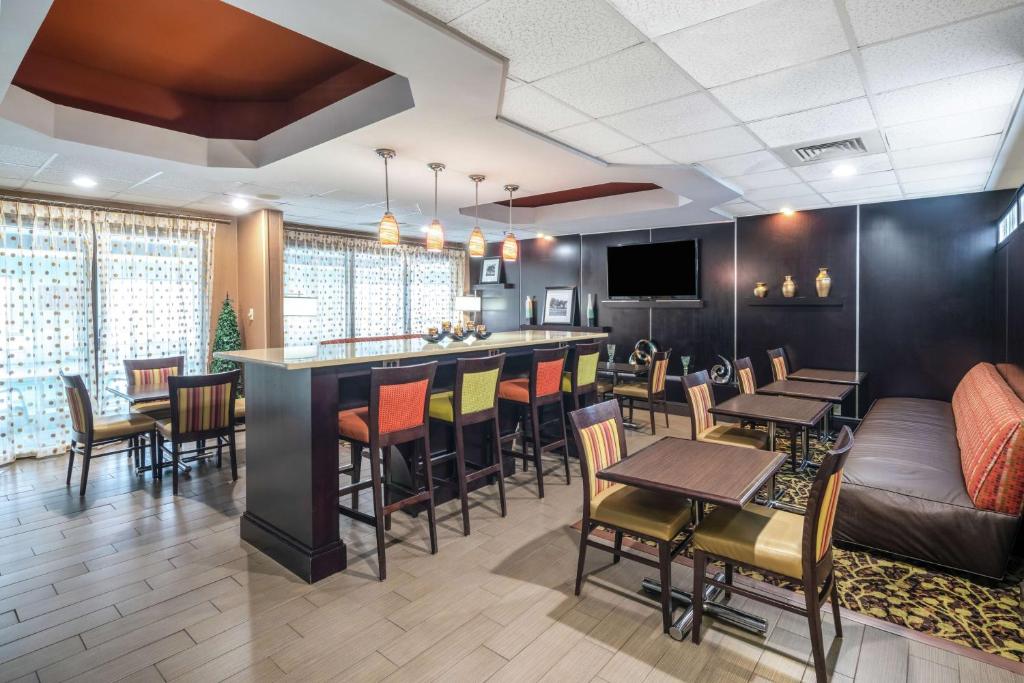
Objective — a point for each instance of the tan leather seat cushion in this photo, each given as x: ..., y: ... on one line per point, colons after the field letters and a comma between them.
x: 735, y: 436
x: 645, y: 512
x: 114, y: 426
x: 152, y: 406
x: 634, y: 389
x: 755, y: 536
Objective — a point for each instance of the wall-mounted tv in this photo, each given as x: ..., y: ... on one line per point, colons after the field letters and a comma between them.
x: 660, y: 270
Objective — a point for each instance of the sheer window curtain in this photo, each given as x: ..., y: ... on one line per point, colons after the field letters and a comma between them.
x: 316, y: 266
x: 45, y: 323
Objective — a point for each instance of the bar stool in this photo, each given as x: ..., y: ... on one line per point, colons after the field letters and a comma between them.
x: 582, y: 380
x: 397, y: 414
x: 473, y: 401
x: 529, y: 396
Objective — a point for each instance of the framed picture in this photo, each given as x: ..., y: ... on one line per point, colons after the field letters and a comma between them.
x: 490, y: 271
x: 559, y: 305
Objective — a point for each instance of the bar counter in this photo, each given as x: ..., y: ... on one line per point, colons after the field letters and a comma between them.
x: 292, y: 398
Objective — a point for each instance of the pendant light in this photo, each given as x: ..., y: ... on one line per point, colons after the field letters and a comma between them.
x: 387, y: 231
x: 477, y: 245
x: 510, y: 247
x: 435, y: 233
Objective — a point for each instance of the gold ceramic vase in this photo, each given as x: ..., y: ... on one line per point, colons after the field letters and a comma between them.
x: 789, y: 287
x: 823, y: 282
x: 761, y: 290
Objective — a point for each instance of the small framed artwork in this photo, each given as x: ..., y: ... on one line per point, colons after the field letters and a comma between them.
x: 490, y: 271
x: 559, y: 305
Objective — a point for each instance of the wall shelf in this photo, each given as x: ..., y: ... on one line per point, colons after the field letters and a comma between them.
x: 652, y: 303
x: 487, y: 286
x: 799, y: 301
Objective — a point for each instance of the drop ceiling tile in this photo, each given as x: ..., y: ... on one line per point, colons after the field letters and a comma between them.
x: 658, y: 17
x: 792, y: 190
x: 11, y: 183
x: 743, y: 164
x: 541, y: 38
x: 43, y: 187
x: 446, y: 10
x: 186, y: 181
x: 974, y: 148
x: 970, y: 92
x: 982, y: 43
x: 875, y: 20
x: 593, y: 138
x: 154, y: 194
x: 832, y: 121
x: 635, y: 155
x: 869, y: 194
x: 536, y: 110
x: 799, y: 203
x: 633, y: 78
x: 826, y: 81
x: 53, y: 176
x: 948, y: 128
x: 709, y: 145
x: 768, y: 36
x: 972, y: 181
x: 17, y: 171
x: 868, y: 163
x: 953, y: 169
x: 856, y: 182
x: 945, y: 192
x: 755, y: 181
x: 741, y: 209
x: 22, y: 156
x: 672, y: 119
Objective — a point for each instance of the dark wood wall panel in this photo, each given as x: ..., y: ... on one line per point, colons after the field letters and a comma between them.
x: 1000, y: 312
x: 1015, y: 298
x: 770, y: 247
x: 502, y: 308
x: 551, y: 263
x: 927, y: 291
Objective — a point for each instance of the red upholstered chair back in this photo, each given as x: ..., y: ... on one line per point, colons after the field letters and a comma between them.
x: 152, y: 370
x: 546, y: 372
x: 202, y: 406
x: 399, y: 403
x: 79, y: 404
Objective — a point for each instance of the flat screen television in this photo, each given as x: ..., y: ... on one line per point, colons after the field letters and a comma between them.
x: 660, y: 270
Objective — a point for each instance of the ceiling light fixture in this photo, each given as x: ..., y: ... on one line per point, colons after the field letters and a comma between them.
x: 786, y: 211
x: 477, y: 244
x: 510, y: 247
x: 84, y: 181
x: 435, y: 232
x: 240, y: 203
x: 387, y: 230
x: 844, y: 170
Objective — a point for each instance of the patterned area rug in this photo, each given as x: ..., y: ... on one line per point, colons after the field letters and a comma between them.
x: 983, y: 616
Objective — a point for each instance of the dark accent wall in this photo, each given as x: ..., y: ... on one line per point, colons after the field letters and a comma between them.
x: 1009, y: 300
x: 550, y: 263
x: 501, y: 308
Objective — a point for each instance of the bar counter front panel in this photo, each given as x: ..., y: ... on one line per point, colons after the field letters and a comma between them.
x: 292, y: 400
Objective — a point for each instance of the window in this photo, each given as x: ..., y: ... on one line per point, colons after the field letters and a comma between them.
x: 1008, y: 223
x: 365, y: 290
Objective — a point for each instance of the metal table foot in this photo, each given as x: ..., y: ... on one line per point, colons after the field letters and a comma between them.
x: 720, y: 610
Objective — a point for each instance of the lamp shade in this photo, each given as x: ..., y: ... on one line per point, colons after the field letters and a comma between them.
x: 435, y: 236
x: 300, y: 306
x: 387, y: 232
x: 468, y: 304
x: 477, y: 245
x: 510, y: 248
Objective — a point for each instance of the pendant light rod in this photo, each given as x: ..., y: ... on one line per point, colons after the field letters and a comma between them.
x: 436, y: 167
x: 477, y: 179
x: 386, y: 154
x: 510, y: 189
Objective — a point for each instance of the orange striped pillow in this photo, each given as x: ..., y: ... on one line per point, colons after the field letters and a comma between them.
x: 600, y: 444
x: 153, y: 375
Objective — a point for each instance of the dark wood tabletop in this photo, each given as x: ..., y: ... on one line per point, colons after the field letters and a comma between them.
x: 833, y: 376
x: 820, y: 391
x: 710, y: 472
x: 622, y: 367
x: 787, y: 410
x: 139, y: 393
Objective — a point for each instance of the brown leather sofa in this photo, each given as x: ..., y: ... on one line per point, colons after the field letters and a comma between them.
x: 904, y: 490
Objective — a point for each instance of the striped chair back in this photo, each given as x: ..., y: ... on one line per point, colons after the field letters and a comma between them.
x: 585, y: 373
x: 399, y: 402
x: 659, y: 371
x: 203, y: 404
x: 153, y: 370
x: 79, y: 403
x: 476, y: 384
x: 602, y: 443
x: 745, y: 376
x: 823, y: 498
x: 701, y: 398
x: 780, y: 365
x: 153, y: 375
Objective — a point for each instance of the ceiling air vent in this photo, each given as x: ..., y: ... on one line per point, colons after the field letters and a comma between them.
x: 817, y: 151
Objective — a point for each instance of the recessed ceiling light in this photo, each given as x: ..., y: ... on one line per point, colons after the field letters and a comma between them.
x: 240, y: 203
x: 787, y: 211
x: 84, y: 181
x: 844, y: 170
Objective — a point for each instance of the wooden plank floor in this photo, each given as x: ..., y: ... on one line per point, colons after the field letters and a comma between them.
x: 135, y: 584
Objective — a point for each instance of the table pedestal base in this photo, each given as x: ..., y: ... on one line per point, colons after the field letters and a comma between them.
x: 681, y: 626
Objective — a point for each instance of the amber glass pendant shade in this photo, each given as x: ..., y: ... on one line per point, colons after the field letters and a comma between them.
x: 510, y: 248
x: 477, y: 245
x: 435, y: 236
x: 387, y: 231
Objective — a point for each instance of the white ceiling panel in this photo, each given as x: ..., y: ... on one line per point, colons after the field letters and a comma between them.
x: 876, y: 20
x: 446, y: 10
x: 864, y: 195
x: 103, y: 166
x: 856, y: 182
x: 61, y: 188
x: 956, y: 168
x: 743, y: 164
x: 675, y: 118
x: 593, y: 138
x: 741, y: 209
x: 709, y: 145
x: 834, y: 120
x: 633, y: 78
x: 541, y: 38
x: 23, y: 156
x: 635, y: 155
x: 768, y: 36
x: 970, y: 92
x: 658, y: 17
x: 947, y: 128
x: 958, y: 183
x: 754, y: 181
x: 806, y: 86
x: 982, y: 43
x: 761, y: 193
x: 804, y: 202
x: 539, y: 111
x: 868, y: 163
x: 975, y: 148
x: 17, y: 171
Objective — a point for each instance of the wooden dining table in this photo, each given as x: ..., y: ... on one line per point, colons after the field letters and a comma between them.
x: 796, y: 413
x: 830, y: 376
x: 705, y: 472
x: 834, y: 393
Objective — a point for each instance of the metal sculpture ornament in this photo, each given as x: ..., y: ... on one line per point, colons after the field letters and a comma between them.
x: 643, y: 352
x: 721, y: 373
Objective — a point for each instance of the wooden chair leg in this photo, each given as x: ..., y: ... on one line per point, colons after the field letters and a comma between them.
x: 565, y: 447
x: 158, y: 458
x: 650, y: 408
x: 356, y: 453
x: 618, y: 547
x: 86, y: 457
x: 220, y: 452
x: 378, y: 511
x: 664, y: 406
x: 699, y: 567
x: 175, y: 456
x: 460, y: 471
x: 835, y: 606
x: 814, y: 626
x: 385, y: 465
x: 496, y: 437
x: 584, y: 534
x: 431, y: 512
x: 232, y: 454
x: 71, y: 461
x: 665, y: 566
x: 535, y: 415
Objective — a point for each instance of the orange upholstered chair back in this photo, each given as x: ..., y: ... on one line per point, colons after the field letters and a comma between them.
x: 79, y: 404
x: 546, y: 371
x: 153, y: 370
x: 820, y: 517
x: 745, y: 376
x: 701, y: 398
x: 399, y: 402
x: 203, y: 404
x: 602, y: 443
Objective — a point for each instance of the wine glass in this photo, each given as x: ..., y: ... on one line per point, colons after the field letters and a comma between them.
x: 611, y: 353
x: 686, y: 364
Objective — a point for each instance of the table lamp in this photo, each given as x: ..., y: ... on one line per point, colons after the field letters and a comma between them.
x: 470, y: 305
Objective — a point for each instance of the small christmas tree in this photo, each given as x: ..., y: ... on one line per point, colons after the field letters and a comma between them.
x: 226, y: 338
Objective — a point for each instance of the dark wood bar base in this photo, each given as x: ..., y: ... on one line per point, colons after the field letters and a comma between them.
x: 308, y: 564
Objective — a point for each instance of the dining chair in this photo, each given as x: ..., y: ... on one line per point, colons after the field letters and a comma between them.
x: 141, y: 371
x: 652, y: 391
x: 703, y: 426
x: 624, y: 509
x: 782, y: 544
x: 89, y: 431
x: 745, y: 379
x: 780, y: 363
x: 202, y: 410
